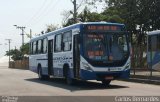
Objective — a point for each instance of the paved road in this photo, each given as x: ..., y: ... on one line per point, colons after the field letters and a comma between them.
x: 15, y: 82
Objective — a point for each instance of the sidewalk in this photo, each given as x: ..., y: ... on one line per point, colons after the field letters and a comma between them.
x: 145, y: 77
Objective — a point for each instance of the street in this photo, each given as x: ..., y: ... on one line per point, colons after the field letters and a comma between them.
x: 17, y: 82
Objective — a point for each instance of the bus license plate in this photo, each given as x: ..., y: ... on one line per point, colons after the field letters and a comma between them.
x: 109, y: 77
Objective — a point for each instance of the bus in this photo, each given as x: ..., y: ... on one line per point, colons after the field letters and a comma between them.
x: 83, y: 51
x: 153, y: 50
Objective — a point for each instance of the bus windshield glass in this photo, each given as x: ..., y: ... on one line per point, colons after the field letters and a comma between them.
x: 106, y: 47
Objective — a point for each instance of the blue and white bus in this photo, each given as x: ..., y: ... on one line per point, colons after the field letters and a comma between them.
x: 86, y: 51
x: 153, y: 49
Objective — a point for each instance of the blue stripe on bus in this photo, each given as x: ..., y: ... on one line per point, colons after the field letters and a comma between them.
x: 58, y: 72
x: 42, y: 59
x: 88, y: 75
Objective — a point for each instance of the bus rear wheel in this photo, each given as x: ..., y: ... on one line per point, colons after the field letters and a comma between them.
x: 106, y: 82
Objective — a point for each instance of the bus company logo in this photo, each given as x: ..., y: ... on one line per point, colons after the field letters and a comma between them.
x: 9, y: 99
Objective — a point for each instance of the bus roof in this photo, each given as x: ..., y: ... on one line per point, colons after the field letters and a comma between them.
x: 103, y: 22
x: 154, y: 32
x: 74, y: 26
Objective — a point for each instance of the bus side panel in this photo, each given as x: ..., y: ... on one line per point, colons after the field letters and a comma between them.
x: 43, y: 61
x: 59, y: 60
x: 153, y: 52
x: 155, y: 60
x: 32, y: 63
x: 34, y: 60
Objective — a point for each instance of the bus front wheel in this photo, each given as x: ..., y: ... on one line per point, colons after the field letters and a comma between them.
x: 68, y: 78
x: 41, y: 76
x: 106, y: 82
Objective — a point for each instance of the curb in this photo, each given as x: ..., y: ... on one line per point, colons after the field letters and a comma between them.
x: 143, y: 79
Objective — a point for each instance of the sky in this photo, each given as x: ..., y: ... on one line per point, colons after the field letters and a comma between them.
x: 32, y: 14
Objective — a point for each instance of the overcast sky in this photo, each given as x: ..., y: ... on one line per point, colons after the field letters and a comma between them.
x: 33, y: 14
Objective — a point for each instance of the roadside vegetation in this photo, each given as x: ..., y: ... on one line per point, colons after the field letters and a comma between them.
x: 139, y: 16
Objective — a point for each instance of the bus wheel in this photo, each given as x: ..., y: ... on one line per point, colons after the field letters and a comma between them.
x: 41, y: 76
x: 106, y: 82
x: 68, y: 78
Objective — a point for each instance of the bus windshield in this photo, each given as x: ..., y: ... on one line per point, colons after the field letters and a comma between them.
x: 107, y: 47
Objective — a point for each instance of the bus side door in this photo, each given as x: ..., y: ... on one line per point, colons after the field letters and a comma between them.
x: 50, y: 57
x: 76, y: 56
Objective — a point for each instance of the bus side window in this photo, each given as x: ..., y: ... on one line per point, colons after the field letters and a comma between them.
x: 39, y: 46
x: 45, y: 45
x: 34, y: 47
x: 154, y: 43
x: 67, y: 41
x: 58, y: 43
x: 42, y: 46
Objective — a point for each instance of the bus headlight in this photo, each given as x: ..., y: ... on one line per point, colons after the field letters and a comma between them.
x: 86, y: 66
x: 127, y: 66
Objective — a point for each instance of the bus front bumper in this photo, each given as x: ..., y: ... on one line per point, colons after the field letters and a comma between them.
x: 90, y: 75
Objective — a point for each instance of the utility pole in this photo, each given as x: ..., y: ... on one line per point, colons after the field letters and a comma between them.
x: 9, y: 41
x: 30, y: 33
x: 21, y: 28
x: 75, y: 11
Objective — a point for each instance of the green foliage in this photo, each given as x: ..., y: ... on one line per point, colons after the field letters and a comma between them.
x: 51, y: 27
x: 25, y: 49
x: 139, y: 16
x: 15, y: 54
x: 18, y: 54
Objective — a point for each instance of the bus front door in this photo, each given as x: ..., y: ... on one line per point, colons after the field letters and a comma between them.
x: 76, y: 56
x: 50, y: 57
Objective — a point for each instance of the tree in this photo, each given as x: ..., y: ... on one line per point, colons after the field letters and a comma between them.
x: 15, y: 54
x: 139, y: 16
x: 51, y: 27
x: 24, y: 49
x: 19, y: 54
x: 79, y: 3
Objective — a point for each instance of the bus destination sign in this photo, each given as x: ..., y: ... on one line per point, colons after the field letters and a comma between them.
x: 103, y: 28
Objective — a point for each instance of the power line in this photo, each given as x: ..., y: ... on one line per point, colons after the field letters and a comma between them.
x: 36, y: 13
x: 40, y: 12
x: 41, y: 18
